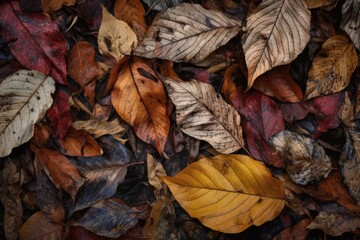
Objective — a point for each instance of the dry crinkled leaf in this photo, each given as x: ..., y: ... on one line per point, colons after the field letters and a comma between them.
x: 203, y: 114
x: 140, y: 99
x: 54, y: 5
x: 115, y: 37
x: 335, y: 224
x: 38, y: 227
x: 306, y: 160
x: 25, y: 96
x: 276, y: 33
x: 162, y: 4
x: 228, y: 193
x: 332, y: 67
x: 350, y: 21
x: 187, y: 32
x: 155, y: 172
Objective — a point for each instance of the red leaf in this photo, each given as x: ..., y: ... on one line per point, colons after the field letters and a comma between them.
x: 59, y: 113
x: 38, y: 44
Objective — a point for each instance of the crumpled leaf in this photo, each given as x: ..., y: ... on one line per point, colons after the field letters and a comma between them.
x: 38, y: 227
x: 115, y: 37
x: 25, y: 96
x: 133, y: 13
x: 188, y: 33
x: 60, y: 170
x: 140, y: 99
x: 108, y: 218
x: 44, y: 41
x: 54, y: 5
x: 155, y: 172
x: 332, y: 67
x: 228, y: 193
x: 335, y: 224
x: 203, y: 114
x: 306, y: 160
x: 350, y: 21
x: 276, y: 33
x: 162, y: 5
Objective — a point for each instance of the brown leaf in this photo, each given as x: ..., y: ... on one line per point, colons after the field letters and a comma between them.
x: 140, y: 99
x: 132, y: 12
x: 350, y: 21
x: 155, y: 172
x: 77, y: 143
x: 54, y: 5
x: 279, y: 83
x: 332, y: 67
x: 306, y: 160
x: 327, y: 4
x: 60, y: 170
x: 296, y: 232
x: 187, y: 32
x: 228, y: 87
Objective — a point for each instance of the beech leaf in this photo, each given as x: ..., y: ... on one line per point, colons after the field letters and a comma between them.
x: 203, y: 114
x: 350, y: 21
x: 25, y: 96
x: 228, y: 193
x: 306, y: 160
x: 332, y: 67
x: 188, y: 33
x: 140, y: 99
x: 276, y: 33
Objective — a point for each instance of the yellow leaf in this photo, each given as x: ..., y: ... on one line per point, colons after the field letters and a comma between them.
x: 228, y: 193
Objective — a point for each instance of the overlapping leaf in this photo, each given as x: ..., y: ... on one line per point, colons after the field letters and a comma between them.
x: 228, y: 193
x: 140, y: 99
x: 350, y: 21
x: 203, y: 114
x: 276, y: 32
x: 187, y: 32
x: 332, y: 67
x: 25, y: 97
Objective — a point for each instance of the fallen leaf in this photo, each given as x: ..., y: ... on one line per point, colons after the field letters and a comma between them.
x: 155, y: 172
x: 332, y: 67
x: 296, y: 232
x: 321, y: 4
x: 350, y: 21
x: 162, y: 5
x: 228, y: 193
x: 54, y: 5
x: 25, y: 96
x: 228, y: 87
x: 115, y: 37
x: 203, y: 114
x: 140, y: 99
x: 188, y: 33
x: 78, y: 143
x: 44, y: 41
x: 335, y: 224
x: 279, y: 83
x: 60, y: 170
x: 132, y: 12
x: 276, y: 33
x: 108, y: 218
x: 38, y: 227
x: 305, y: 159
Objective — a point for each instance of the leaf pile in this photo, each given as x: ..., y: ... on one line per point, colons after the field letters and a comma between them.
x: 177, y: 119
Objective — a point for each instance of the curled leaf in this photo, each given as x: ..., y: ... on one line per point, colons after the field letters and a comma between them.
x: 350, y: 21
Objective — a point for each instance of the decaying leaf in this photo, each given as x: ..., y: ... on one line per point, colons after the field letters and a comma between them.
x: 350, y: 21
x: 140, y: 99
x: 228, y: 193
x: 162, y: 5
x: 108, y: 218
x: 155, y: 172
x: 305, y: 159
x: 296, y: 232
x: 115, y: 37
x: 60, y: 170
x: 203, y: 114
x: 327, y: 4
x: 25, y: 97
x: 54, y: 5
x: 187, y: 32
x: 276, y: 32
x: 335, y: 224
x: 332, y: 67
x: 38, y: 227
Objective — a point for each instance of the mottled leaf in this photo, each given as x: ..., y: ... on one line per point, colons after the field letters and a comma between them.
x: 188, y: 33
x: 228, y: 193
x: 25, y: 97
x: 203, y: 114
x: 350, y: 21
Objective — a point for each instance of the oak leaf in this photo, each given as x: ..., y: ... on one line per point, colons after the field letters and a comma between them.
x: 276, y: 33
x: 228, y: 193
x: 140, y: 99
x: 332, y: 67
x: 25, y: 96
x: 188, y: 33
x: 350, y: 21
x: 203, y: 114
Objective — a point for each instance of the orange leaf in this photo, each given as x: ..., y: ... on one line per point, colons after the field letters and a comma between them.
x: 228, y: 87
x: 139, y: 98
x: 61, y: 171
